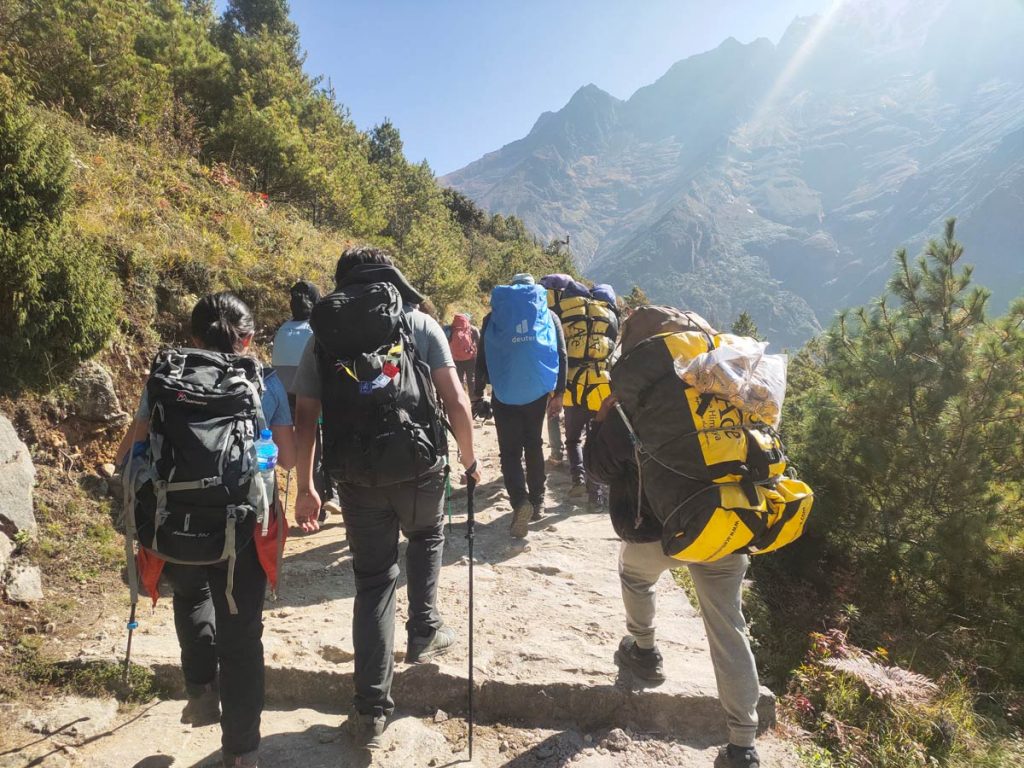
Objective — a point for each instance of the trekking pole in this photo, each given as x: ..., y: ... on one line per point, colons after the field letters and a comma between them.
x: 470, y: 522
x: 132, y: 626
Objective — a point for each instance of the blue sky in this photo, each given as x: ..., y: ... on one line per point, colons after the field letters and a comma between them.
x: 462, y: 78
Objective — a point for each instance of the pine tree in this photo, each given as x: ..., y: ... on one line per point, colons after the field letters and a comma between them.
x: 905, y: 434
x: 745, y: 326
x: 636, y: 298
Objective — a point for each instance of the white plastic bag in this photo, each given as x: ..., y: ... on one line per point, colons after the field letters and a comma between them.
x: 739, y: 372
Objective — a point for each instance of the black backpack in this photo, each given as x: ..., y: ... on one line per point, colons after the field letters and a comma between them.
x: 381, y: 420
x: 193, y: 495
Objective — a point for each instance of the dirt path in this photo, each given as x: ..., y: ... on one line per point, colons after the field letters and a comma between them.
x: 547, y: 690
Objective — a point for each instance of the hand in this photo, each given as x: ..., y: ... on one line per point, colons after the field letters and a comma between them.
x: 472, y: 470
x: 554, y: 405
x: 606, y: 407
x: 307, y: 510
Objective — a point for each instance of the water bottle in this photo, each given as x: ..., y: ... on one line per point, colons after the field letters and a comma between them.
x: 266, y: 460
x: 266, y: 455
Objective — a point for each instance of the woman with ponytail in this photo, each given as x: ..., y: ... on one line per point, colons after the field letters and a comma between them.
x: 218, y: 609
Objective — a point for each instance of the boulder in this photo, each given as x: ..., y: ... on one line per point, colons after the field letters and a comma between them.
x: 24, y: 585
x: 94, y: 395
x: 6, y: 550
x: 17, y: 476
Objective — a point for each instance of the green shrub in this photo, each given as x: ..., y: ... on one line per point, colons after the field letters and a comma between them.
x: 58, y: 301
x: 869, y: 713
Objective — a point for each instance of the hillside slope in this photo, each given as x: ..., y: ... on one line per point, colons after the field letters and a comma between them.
x: 802, y: 162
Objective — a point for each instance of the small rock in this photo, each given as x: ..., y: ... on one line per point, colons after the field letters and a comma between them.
x: 433, y: 762
x: 617, y: 740
x: 588, y: 739
x: 544, y: 751
x: 503, y: 747
x: 94, y: 395
x: 31, y: 629
x: 107, y: 470
x: 50, y: 628
x: 25, y: 585
x: 440, y: 716
x: 327, y: 736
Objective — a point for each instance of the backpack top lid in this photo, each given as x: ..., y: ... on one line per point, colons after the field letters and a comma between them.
x: 357, y: 319
x: 460, y: 321
x: 650, y: 321
x: 555, y: 282
x: 604, y: 292
x: 576, y: 289
x: 521, y: 344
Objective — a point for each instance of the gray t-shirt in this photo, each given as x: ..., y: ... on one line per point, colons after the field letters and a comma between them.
x: 431, y: 347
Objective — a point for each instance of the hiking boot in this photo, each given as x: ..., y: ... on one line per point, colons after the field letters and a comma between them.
x: 538, y: 512
x: 739, y: 757
x: 248, y: 760
x: 423, y: 648
x: 578, y: 490
x: 521, y: 515
x: 367, y: 730
x: 645, y: 664
x: 203, y: 705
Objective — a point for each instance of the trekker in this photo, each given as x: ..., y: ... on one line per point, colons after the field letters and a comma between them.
x: 289, y: 343
x: 218, y: 608
x: 522, y: 356
x: 610, y: 456
x: 464, y: 340
x: 555, y: 284
x: 374, y: 370
x: 590, y: 321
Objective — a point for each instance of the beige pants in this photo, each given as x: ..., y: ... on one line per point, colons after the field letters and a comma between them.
x: 719, y: 586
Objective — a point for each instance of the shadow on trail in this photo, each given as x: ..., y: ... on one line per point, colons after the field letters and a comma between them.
x: 324, y: 572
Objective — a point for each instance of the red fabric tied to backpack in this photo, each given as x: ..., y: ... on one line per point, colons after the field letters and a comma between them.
x: 463, y: 343
x: 269, y: 549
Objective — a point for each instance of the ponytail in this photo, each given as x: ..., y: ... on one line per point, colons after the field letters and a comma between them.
x: 221, y: 321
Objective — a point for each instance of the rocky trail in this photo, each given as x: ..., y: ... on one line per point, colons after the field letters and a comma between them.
x: 548, y: 693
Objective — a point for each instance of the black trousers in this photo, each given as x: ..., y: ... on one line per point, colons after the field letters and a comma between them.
x: 519, y: 436
x: 466, y: 371
x: 576, y: 419
x: 212, y: 640
x: 373, y: 518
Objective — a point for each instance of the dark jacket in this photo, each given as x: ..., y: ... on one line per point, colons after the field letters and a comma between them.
x: 608, y: 457
x: 482, y: 379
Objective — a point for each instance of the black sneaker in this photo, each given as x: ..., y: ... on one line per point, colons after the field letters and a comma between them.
x: 538, y: 513
x: 521, y: 515
x: 423, y: 648
x: 739, y: 757
x: 203, y: 705
x: 646, y: 665
x: 367, y: 730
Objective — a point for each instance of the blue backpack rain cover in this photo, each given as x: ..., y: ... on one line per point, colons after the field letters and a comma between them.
x: 520, y: 344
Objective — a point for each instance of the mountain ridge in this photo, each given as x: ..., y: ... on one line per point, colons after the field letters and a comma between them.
x: 797, y: 167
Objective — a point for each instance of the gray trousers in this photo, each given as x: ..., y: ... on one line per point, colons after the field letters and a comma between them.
x: 373, y: 518
x: 719, y: 590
